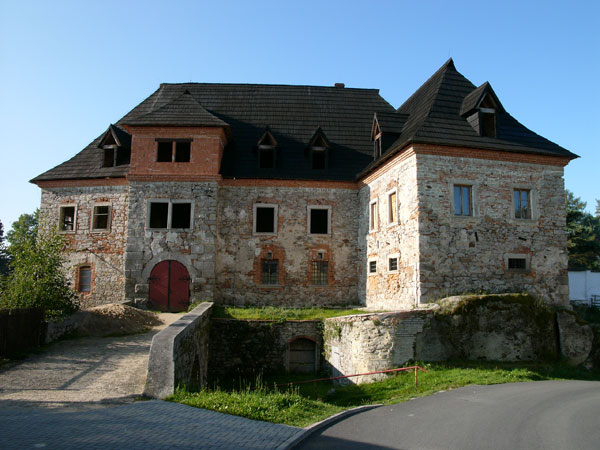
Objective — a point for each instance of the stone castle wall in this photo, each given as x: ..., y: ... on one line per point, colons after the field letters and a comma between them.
x: 461, y: 254
x: 387, y: 289
x: 241, y: 250
x: 102, y: 250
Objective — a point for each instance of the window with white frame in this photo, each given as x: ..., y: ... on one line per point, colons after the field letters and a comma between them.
x: 170, y: 214
x: 67, y: 218
x: 373, y: 216
x: 101, y: 217
x: 392, y: 207
x: 393, y: 263
x: 319, y: 219
x: 264, y: 218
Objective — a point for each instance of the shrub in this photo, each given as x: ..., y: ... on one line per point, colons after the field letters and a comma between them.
x: 37, y: 278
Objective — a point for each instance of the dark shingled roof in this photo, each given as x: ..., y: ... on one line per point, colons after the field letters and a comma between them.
x: 183, y: 111
x: 434, y: 117
x: 293, y: 114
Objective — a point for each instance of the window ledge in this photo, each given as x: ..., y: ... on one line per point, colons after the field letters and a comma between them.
x: 258, y: 233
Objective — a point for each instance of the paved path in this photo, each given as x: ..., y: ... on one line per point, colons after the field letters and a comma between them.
x: 548, y: 415
x: 142, y: 425
x: 80, y: 373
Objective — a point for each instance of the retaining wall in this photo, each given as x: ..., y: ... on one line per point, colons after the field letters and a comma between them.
x: 179, y: 354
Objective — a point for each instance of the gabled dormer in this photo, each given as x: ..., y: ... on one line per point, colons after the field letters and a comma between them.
x: 267, y: 150
x: 318, y: 148
x: 481, y: 108
x: 116, y: 145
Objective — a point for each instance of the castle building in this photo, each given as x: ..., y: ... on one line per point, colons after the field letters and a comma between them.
x: 306, y: 195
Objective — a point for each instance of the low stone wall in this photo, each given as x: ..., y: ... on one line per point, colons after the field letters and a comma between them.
x: 250, y: 347
x: 371, y: 342
x: 179, y: 354
x: 510, y: 327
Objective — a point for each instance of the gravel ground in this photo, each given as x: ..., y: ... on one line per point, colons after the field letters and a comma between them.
x: 81, y: 373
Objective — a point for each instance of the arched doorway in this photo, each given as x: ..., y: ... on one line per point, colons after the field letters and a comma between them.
x: 302, y: 356
x: 169, y: 286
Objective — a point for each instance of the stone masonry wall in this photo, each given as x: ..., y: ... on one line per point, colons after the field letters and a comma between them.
x: 249, y: 347
x: 102, y: 250
x: 195, y: 248
x: 370, y: 342
x: 461, y: 254
x: 387, y: 289
x: 241, y: 250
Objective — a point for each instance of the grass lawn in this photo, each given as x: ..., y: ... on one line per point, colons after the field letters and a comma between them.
x: 279, y: 314
x: 298, y: 406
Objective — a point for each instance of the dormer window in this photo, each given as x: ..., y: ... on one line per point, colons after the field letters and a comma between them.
x: 319, y: 150
x: 116, y: 147
x: 376, y: 137
x: 267, y: 151
x: 487, y: 117
x: 171, y: 150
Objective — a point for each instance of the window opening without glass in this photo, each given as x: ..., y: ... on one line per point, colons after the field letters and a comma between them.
x: 67, y: 218
x: 319, y: 221
x: 101, y: 217
x: 265, y: 219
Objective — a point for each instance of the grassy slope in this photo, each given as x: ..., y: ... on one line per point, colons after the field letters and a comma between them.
x: 278, y: 314
x: 298, y: 406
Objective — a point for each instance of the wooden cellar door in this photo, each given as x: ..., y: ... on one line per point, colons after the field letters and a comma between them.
x: 169, y: 287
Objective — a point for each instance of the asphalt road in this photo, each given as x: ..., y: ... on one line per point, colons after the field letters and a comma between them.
x: 548, y: 415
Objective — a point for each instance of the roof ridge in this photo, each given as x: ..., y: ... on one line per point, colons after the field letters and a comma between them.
x: 337, y: 89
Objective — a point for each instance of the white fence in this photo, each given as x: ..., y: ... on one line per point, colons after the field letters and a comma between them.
x: 582, y: 285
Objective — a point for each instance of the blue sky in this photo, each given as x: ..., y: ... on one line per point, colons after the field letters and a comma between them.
x: 70, y: 68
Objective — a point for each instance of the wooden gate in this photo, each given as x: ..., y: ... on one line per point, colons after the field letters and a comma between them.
x: 302, y: 356
x: 169, y: 287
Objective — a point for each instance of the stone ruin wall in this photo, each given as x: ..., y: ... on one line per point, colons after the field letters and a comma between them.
x: 389, y: 290
x: 102, y: 250
x: 468, y: 254
x: 240, y: 250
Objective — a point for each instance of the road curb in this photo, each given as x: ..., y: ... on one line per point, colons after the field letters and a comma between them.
x: 304, y: 433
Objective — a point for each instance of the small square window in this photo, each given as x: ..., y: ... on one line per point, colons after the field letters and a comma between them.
x: 372, y: 266
x: 320, y: 273
x: 165, y: 151
x: 462, y: 200
x: 67, y: 218
x: 182, y: 151
x: 265, y: 219
x: 319, y: 220
x: 181, y: 215
x: 522, y: 198
x: 101, y: 217
x: 84, y: 283
x: 269, y: 272
x: 393, y: 264
x: 159, y: 214
x: 517, y: 263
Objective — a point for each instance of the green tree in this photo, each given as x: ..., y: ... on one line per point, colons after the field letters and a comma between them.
x: 597, y: 208
x: 4, y: 258
x: 583, y: 233
x: 37, y: 277
x: 24, y: 230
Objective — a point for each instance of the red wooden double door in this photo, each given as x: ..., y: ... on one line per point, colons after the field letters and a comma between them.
x: 169, y: 287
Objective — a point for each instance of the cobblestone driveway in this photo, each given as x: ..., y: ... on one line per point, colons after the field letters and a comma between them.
x: 80, y: 373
